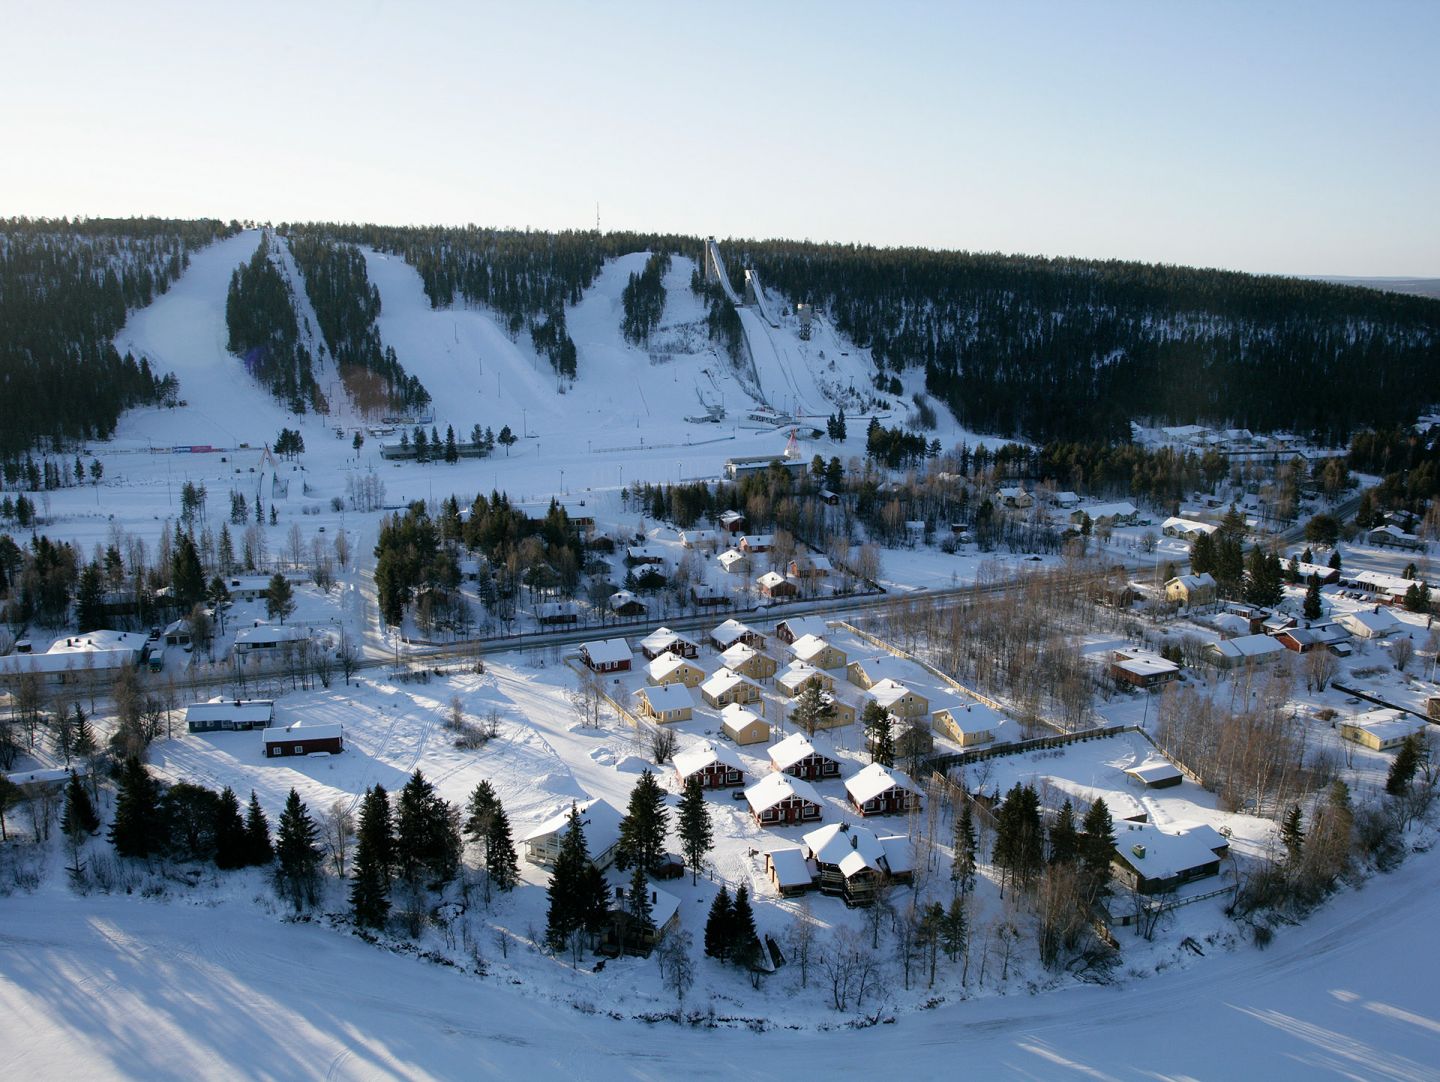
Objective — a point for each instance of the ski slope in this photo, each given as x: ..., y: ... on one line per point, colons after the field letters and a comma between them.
x: 183, y: 331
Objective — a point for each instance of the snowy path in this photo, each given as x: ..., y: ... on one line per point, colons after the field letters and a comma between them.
x: 1339, y: 998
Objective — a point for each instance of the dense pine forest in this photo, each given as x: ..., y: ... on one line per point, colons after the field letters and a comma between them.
x: 66, y: 287
x: 346, y: 305
x: 265, y: 333
x: 1074, y: 349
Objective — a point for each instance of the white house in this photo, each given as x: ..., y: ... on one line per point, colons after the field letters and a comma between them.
x: 1370, y: 625
x: 600, y: 822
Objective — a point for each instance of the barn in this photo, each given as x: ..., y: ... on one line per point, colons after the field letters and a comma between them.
x: 300, y: 739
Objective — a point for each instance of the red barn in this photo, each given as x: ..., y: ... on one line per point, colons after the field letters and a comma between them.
x: 300, y: 739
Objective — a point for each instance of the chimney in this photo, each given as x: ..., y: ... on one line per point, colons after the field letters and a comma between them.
x: 854, y: 841
x: 1139, y: 851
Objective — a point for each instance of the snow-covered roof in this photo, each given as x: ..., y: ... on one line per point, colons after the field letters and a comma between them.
x: 737, y: 654
x: 1380, y: 582
x: 771, y: 579
x: 731, y: 631
x: 797, y: 672
x: 268, y: 633
x: 1121, y: 509
x: 282, y: 734
x: 721, y: 681
x: 599, y: 820
x: 663, y: 638
x: 884, y: 666
x: 1194, y: 582
x: 793, y: 749
x: 555, y: 608
x: 242, y: 710
x: 758, y: 540
x: 98, y: 642
x: 621, y: 598
x: 1231, y: 623
x: 1247, y: 646
x: 840, y: 843
x: 1373, y: 622
x: 888, y: 692
x: 1154, y: 770
x: 665, y: 664
x: 1386, y: 725
x: 971, y: 715
x: 731, y: 556
x: 809, y: 646
x: 699, y: 756
x: 1187, y: 525
x: 801, y: 626
x: 668, y: 697
x: 606, y: 651
x: 876, y: 779
x: 792, y: 868
x: 1167, y: 854
x: 774, y: 788
x: 1146, y: 665
x: 734, y: 719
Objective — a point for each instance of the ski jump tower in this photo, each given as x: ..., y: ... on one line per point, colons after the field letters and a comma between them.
x: 754, y: 292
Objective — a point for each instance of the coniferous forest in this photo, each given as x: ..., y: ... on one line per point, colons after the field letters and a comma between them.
x: 265, y: 333
x: 1074, y: 349
x: 66, y: 287
x: 346, y: 305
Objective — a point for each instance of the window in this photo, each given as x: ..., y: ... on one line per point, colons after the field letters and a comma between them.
x: 299, y: 749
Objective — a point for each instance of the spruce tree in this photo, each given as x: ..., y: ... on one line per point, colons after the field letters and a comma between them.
x: 135, y: 831
x: 279, y: 598
x: 879, y: 733
x: 374, y: 859
x: 642, y: 831
x: 258, y: 851
x: 501, y: 860
x: 696, y: 836
x: 813, y: 709
x: 1064, y: 841
x: 1313, y: 609
x: 956, y: 932
x: 744, y: 942
x: 1402, y: 770
x: 1292, y: 834
x: 230, y: 838
x: 718, y: 926
x: 962, y: 868
x: 638, y: 913
x: 297, y: 856
x: 1097, y: 847
x: 427, y: 835
x: 564, y: 914
x: 78, y: 820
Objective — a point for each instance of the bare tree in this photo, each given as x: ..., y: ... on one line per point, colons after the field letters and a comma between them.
x: 801, y: 940
x: 663, y: 743
x: 1402, y: 650
x: 339, y: 830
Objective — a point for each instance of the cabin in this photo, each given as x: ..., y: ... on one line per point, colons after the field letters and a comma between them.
x: 625, y: 603
x: 665, y: 704
x: 882, y: 790
x: 799, y: 675
x: 867, y: 672
x: 1191, y: 591
x: 733, y: 631
x: 606, y: 655
x: 267, y: 637
x: 1380, y: 730
x: 797, y: 627
x: 1156, y: 774
x: 599, y: 820
x: 743, y: 726
x: 968, y: 725
x: 1013, y: 497
x: 815, y: 651
x: 791, y: 872
x: 748, y: 661
x: 95, y: 655
x: 754, y: 543
x: 1302, y: 640
x: 733, y: 561
x: 1151, y: 861
x: 1370, y: 625
x: 176, y: 633
x: 550, y: 613
x: 1243, y: 650
x: 672, y: 669
x: 1142, y: 670
x: 247, y: 587
x: 910, y: 737
x: 732, y: 522
x: 772, y: 584
x: 810, y: 567
x: 780, y: 800
x: 798, y: 756
x: 726, y: 687
x: 854, y: 863
x: 229, y: 715
x: 665, y: 641
x: 300, y: 739
x: 641, y: 555
x: 623, y: 936
x: 715, y: 765
x: 899, y: 700
x: 706, y: 595
x: 704, y: 540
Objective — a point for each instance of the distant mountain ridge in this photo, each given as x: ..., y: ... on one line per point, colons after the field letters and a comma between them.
x: 1415, y: 287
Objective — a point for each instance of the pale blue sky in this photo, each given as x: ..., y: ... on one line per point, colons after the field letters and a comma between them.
x: 1298, y: 137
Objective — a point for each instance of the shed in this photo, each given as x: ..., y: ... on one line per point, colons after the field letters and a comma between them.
x: 301, y: 739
